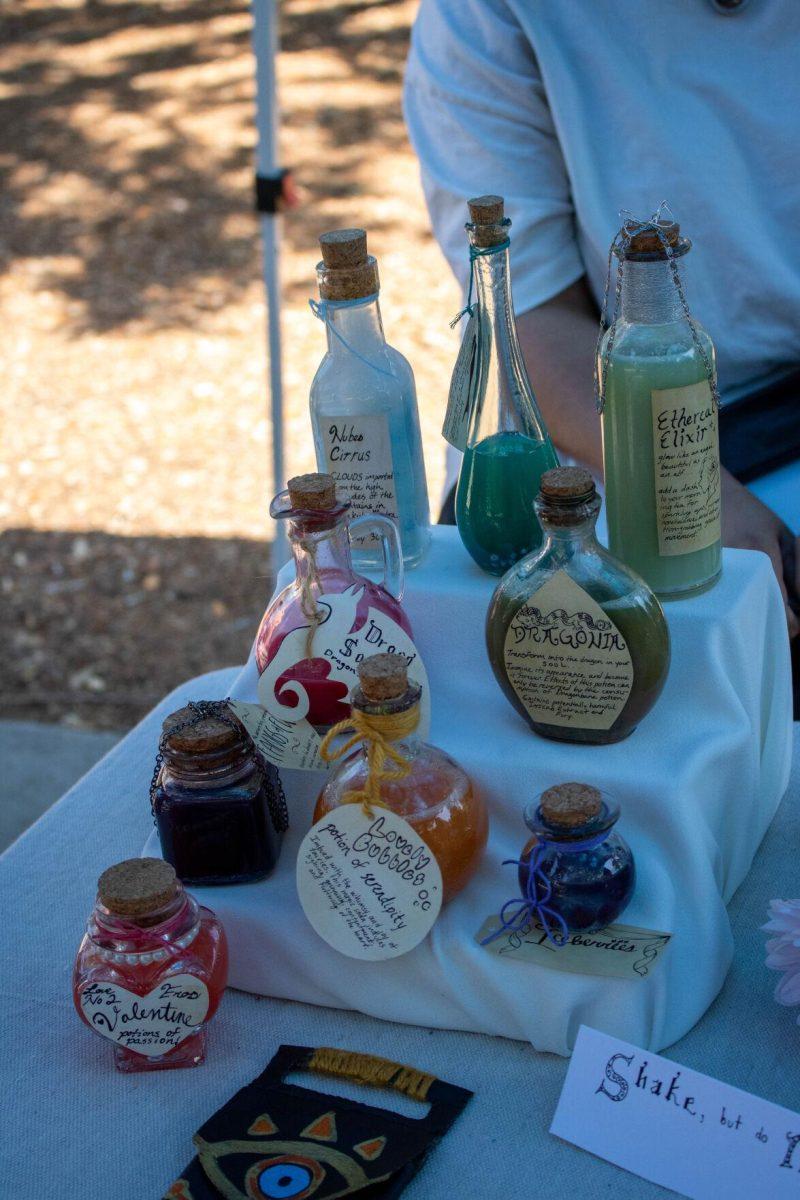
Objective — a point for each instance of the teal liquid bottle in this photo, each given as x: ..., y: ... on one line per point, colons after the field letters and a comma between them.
x: 660, y: 433
x: 508, y: 447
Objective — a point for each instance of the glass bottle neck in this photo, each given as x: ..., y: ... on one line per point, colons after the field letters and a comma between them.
x: 211, y: 769
x: 649, y: 294
x: 316, y: 549
x: 357, y: 322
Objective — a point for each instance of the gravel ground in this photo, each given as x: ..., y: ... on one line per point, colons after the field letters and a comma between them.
x: 135, y: 456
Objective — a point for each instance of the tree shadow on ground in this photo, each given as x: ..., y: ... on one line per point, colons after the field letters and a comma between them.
x: 126, y: 135
x: 99, y: 628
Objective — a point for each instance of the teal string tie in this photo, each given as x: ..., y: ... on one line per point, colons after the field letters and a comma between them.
x: 477, y: 252
x: 320, y: 310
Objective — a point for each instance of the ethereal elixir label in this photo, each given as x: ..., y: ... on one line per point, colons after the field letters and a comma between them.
x: 687, y: 474
x: 369, y: 884
x: 358, y: 454
x: 153, y: 1024
x: 566, y: 659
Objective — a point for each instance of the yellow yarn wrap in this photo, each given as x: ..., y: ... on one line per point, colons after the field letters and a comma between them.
x: 376, y: 731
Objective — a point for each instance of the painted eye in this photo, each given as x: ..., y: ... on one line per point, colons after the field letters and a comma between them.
x: 285, y: 1178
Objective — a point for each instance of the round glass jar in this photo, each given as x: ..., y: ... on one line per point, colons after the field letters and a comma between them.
x: 213, y: 801
x: 151, y: 969
x: 575, y: 849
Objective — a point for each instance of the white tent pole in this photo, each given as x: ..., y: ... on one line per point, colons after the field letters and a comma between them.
x: 265, y: 49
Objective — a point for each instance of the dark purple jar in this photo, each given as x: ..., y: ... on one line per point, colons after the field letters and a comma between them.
x: 219, y: 812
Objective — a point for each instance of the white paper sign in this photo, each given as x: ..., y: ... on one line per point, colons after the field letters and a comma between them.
x: 283, y: 743
x: 358, y: 454
x: 676, y: 1127
x: 370, y: 886
x: 150, y: 1025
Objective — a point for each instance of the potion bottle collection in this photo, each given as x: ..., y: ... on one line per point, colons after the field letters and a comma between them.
x: 575, y: 635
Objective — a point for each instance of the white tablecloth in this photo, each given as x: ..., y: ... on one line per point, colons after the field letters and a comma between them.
x: 699, y: 782
x: 73, y: 1126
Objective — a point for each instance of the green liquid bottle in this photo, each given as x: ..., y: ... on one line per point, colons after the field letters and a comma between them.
x: 577, y: 641
x: 660, y: 436
x: 508, y: 447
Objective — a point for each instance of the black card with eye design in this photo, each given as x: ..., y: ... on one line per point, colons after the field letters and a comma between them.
x: 277, y: 1141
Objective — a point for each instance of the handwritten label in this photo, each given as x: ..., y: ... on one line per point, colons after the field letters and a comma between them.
x: 676, y: 1127
x: 151, y: 1025
x: 618, y: 951
x: 566, y: 659
x: 370, y: 886
x: 335, y: 641
x: 358, y: 454
x: 463, y: 387
x: 283, y: 743
x: 687, y: 472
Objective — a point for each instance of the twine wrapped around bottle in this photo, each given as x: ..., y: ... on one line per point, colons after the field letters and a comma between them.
x: 376, y: 731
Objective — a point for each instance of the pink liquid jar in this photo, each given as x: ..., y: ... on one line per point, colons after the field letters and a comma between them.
x: 151, y: 968
x: 319, y: 535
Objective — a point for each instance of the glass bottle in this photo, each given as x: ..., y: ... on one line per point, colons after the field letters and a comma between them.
x: 577, y: 641
x: 151, y: 968
x: 575, y: 854
x: 319, y: 537
x: 508, y: 446
x: 219, y: 811
x: 364, y: 403
x: 436, y: 797
x: 660, y: 435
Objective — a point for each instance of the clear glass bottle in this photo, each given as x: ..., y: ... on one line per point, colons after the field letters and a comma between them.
x: 319, y: 536
x: 508, y: 446
x: 576, y: 859
x: 577, y: 641
x: 151, y: 969
x: 364, y: 403
x: 219, y: 812
x: 660, y: 435
x: 436, y: 796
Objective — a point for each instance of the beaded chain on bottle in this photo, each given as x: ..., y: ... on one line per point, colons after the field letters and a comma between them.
x: 201, y: 710
x: 631, y: 227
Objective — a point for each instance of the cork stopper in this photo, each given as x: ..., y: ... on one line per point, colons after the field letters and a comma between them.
x: 648, y: 242
x: 383, y: 677
x: 567, y: 483
x: 208, y: 735
x: 314, y: 492
x: 486, y: 210
x: 570, y: 805
x: 137, y: 886
x: 344, y: 248
x: 346, y: 272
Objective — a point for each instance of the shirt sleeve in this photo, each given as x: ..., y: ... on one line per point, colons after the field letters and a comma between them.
x: 479, y: 120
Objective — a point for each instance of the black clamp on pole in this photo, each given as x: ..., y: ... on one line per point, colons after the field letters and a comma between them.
x: 270, y: 191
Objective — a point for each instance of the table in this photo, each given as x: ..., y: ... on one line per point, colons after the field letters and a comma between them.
x: 699, y: 782
x: 68, y: 1115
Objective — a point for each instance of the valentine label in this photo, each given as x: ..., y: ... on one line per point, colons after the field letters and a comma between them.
x: 287, y: 738
x: 150, y: 1025
x: 370, y: 886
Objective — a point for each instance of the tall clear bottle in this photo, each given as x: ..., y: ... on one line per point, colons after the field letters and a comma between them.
x: 364, y: 403
x: 508, y: 447
x: 660, y: 436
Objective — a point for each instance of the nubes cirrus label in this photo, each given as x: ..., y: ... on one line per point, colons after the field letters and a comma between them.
x: 566, y: 659
x: 358, y: 454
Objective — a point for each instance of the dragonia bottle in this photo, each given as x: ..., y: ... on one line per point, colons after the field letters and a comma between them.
x: 508, y: 447
x: 660, y: 436
x: 364, y: 403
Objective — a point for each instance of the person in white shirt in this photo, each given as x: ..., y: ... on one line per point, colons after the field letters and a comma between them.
x: 573, y: 110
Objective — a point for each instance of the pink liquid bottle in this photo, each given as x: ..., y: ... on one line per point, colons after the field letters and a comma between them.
x: 151, y: 968
x: 320, y: 532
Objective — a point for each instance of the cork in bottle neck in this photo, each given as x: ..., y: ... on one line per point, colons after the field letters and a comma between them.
x: 488, y: 225
x: 570, y: 805
x: 315, y: 492
x: 347, y: 271
x: 384, y: 686
x: 137, y: 887
x: 567, y: 497
x: 648, y: 242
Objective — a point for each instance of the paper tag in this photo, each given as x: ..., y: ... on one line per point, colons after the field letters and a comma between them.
x: 358, y: 454
x: 370, y: 886
x: 283, y: 743
x: 463, y: 387
x: 566, y: 660
x: 687, y: 471
x: 616, y: 952
x: 343, y: 650
x: 676, y: 1127
x: 150, y: 1025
